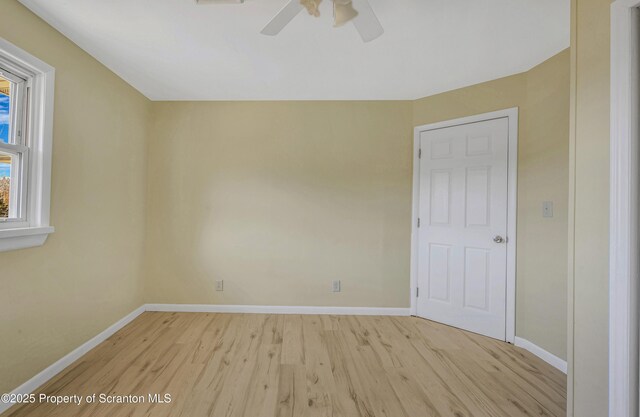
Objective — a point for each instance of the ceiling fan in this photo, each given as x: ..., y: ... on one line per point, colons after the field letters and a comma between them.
x: 359, y: 12
x: 344, y: 11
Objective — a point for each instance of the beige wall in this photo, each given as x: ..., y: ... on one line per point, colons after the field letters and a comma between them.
x: 499, y: 94
x: 278, y: 199
x: 87, y: 275
x: 588, y: 257
x: 543, y: 175
x: 542, y: 95
x: 287, y: 191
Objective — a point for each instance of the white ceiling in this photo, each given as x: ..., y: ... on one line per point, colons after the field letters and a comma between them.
x: 178, y: 50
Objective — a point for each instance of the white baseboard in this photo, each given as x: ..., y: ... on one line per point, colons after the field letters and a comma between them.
x: 58, y: 366
x: 213, y: 308
x: 548, y: 357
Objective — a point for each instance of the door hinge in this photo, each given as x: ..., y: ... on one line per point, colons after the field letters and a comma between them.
x: 418, y: 221
x: 417, y: 292
x: 419, y: 153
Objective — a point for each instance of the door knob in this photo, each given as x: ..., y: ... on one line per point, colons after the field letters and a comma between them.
x: 498, y: 239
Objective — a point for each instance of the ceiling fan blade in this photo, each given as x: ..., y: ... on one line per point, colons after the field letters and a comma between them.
x: 281, y: 20
x: 366, y: 22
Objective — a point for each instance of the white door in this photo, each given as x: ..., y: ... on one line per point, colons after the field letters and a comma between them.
x: 462, y: 251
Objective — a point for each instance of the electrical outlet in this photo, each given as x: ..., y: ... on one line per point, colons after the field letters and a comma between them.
x: 336, y: 286
x: 547, y: 209
x: 220, y: 285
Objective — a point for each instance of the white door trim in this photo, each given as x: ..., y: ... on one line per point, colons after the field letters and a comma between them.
x: 512, y: 204
x: 623, y: 238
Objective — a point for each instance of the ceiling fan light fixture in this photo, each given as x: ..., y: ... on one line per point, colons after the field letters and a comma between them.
x: 312, y: 6
x: 343, y: 12
x: 364, y: 19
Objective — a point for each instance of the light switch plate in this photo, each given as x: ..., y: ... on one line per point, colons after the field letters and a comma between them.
x: 547, y: 209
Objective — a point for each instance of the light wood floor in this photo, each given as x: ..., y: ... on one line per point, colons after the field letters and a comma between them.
x: 250, y: 365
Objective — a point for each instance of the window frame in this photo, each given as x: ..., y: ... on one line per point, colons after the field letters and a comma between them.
x: 35, y: 120
x: 18, y: 149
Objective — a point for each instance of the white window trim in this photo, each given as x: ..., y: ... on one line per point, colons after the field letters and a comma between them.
x: 41, y: 140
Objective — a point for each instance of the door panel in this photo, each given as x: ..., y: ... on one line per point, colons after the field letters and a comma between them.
x: 439, y: 272
x: 440, y: 197
x: 463, y: 198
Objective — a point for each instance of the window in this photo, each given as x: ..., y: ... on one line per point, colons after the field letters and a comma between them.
x: 14, y: 151
x: 26, y: 118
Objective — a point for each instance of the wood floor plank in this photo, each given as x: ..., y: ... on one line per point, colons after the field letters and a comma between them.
x: 367, y: 367
x: 381, y: 343
x: 232, y: 399
x: 518, y: 368
x: 293, y: 339
x: 317, y: 368
x: 254, y: 365
x: 351, y: 397
x: 484, y: 356
x: 441, y: 386
x: 215, y: 377
x: 495, y: 376
x: 292, y: 391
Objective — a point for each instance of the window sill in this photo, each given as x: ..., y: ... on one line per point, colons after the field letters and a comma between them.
x: 27, y: 237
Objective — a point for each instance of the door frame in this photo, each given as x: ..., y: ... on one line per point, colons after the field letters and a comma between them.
x: 512, y: 204
x: 623, y: 232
